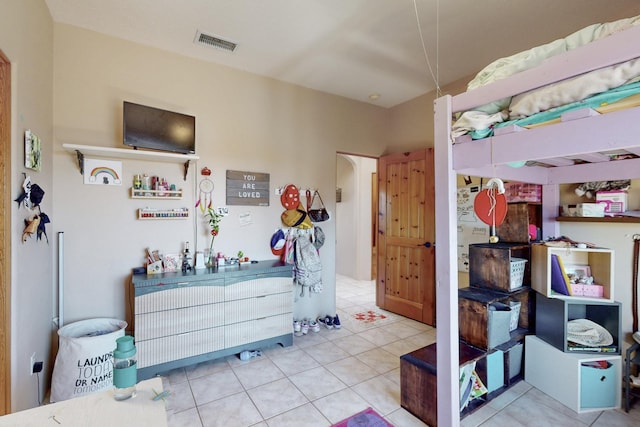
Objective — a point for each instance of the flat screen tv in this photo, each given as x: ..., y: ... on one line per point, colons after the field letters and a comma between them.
x: 149, y: 127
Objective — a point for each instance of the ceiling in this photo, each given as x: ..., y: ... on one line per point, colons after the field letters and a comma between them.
x: 351, y: 48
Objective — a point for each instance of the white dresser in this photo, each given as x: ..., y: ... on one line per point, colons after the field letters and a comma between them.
x: 182, y: 319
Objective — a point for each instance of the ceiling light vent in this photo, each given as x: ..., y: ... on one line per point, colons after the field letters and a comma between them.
x: 214, y: 41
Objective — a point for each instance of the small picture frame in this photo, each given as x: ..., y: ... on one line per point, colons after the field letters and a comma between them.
x: 578, y: 270
x: 170, y: 262
x: 32, y: 153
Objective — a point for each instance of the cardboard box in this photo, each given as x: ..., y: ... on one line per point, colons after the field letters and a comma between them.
x: 592, y: 210
x: 614, y: 201
x: 591, y: 291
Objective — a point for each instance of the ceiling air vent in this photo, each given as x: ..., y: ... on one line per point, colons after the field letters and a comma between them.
x: 215, y: 42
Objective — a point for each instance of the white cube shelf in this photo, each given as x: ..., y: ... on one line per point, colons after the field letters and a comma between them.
x: 566, y: 378
x: 599, y: 260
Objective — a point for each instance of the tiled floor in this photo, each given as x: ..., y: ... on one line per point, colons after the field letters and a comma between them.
x: 327, y: 376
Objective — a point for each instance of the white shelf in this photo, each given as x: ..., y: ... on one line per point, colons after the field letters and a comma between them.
x: 562, y: 376
x: 125, y: 153
x: 156, y: 194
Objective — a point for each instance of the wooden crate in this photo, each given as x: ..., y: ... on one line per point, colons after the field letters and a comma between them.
x: 515, y: 228
x: 473, y: 314
x: 418, y: 371
x: 490, y: 265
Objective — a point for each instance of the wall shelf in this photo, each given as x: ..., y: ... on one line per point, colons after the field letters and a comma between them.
x: 609, y: 219
x: 148, y: 213
x: 124, y: 153
x: 156, y: 194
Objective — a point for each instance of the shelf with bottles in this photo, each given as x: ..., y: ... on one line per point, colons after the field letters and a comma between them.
x: 139, y: 193
x: 149, y: 213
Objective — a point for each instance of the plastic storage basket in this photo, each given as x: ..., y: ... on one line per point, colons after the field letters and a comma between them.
x: 517, y: 272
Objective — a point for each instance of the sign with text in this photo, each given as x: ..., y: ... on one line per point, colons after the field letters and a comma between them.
x: 247, y: 188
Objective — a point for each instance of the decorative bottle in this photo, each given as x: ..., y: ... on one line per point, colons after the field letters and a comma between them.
x: 125, y: 374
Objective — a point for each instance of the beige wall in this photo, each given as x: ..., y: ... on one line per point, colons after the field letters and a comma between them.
x: 353, y: 216
x: 243, y: 122
x: 26, y: 39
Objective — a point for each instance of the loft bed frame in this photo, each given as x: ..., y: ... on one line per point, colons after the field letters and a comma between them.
x: 589, y: 139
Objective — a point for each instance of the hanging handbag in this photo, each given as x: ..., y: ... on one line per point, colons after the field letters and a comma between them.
x: 318, y: 214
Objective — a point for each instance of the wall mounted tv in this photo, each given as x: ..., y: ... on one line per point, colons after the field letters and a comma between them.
x: 149, y: 127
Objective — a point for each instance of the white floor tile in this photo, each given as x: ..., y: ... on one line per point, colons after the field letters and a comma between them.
x: 317, y: 383
x: 327, y: 376
x: 232, y: 411
x: 276, y: 398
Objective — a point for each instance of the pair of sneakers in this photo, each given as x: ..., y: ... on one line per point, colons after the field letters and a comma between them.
x: 302, y: 327
x: 330, y: 322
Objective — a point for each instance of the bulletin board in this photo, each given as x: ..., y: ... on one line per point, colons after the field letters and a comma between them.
x: 470, y: 228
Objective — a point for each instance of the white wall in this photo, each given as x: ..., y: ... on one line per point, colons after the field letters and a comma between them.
x: 26, y: 39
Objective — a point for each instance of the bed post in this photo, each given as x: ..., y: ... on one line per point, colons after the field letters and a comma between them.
x: 550, y: 203
x: 446, y: 268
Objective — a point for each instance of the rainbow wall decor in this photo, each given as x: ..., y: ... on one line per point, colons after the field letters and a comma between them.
x: 102, y: 172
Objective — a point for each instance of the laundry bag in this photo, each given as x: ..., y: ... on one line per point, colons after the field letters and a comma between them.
x: 84, y: 361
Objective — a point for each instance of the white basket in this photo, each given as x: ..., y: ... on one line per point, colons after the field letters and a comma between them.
x: 515, y: 315
x: 517, y: 272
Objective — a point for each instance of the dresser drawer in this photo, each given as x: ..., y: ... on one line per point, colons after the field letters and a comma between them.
x: 180, y: 297
x: 256, y: 308
x: 175, y: 347
x: 171, y: 322
x: 256, y: 330
x: 259, y: 286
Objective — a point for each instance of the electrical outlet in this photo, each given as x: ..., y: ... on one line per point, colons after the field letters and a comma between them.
x: 278, y: 191
x: 33, y: 361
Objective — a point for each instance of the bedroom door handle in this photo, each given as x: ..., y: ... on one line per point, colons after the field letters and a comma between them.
x: 427, y: 244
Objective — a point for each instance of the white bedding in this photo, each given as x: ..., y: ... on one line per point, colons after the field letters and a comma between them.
x: 572, y: 90
x: 508, y: 66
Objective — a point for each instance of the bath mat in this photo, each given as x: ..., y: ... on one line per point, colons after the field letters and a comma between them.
x: 366, y: 418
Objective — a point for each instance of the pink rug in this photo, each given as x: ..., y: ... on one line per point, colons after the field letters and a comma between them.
x: 366, y: 418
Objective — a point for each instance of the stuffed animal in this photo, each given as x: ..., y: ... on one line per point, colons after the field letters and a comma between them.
x: 589, y: 189
x: 30, y: 227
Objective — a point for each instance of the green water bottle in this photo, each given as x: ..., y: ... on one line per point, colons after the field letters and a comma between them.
x: 125, y: 375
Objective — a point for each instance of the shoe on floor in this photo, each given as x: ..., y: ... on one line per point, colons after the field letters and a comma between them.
x: 305, y: 327
x: 246, y: 354
x: 336, y: 322
x: 314, y: 326
x: 326, y: 321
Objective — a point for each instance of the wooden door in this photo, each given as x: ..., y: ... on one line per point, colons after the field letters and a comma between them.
x: 405, y: 282
x: 374, y: 226
x: 5, y: 235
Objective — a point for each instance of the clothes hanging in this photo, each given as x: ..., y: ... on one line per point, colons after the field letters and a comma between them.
x: 308, y: 268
